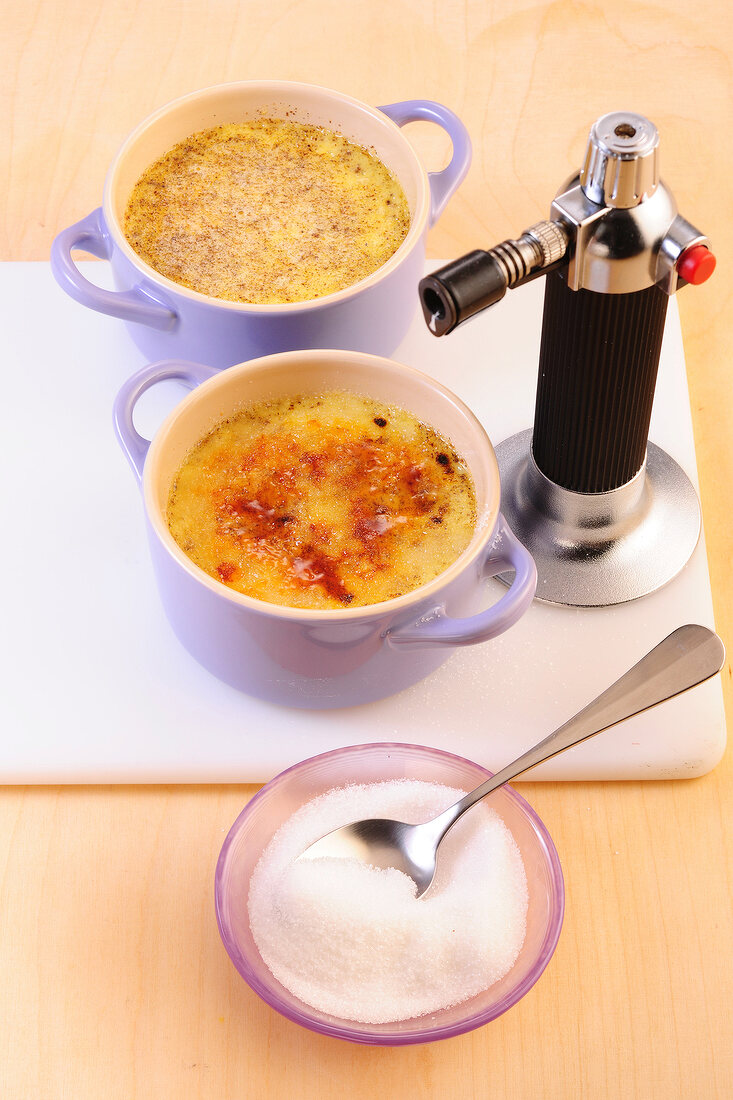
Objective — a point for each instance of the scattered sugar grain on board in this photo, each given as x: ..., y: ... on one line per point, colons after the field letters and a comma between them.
x: 356, y: 942
x: 438, y: 692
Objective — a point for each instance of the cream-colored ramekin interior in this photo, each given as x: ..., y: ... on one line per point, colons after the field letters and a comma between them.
x: 299, y: 372
x: 228, y: 103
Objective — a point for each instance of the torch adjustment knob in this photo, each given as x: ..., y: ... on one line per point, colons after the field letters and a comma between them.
x: 621, y: 166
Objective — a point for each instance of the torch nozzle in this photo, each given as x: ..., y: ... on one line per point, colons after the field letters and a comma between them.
x: 474, y: 282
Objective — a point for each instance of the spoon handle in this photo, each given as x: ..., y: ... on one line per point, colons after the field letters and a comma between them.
x: 685, y: 658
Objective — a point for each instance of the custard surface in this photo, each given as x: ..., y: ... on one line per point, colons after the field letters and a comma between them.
x: 322, y: 501
x: 266, y: 212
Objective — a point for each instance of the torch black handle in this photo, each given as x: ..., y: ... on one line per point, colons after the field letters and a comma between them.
x: 599, y: 357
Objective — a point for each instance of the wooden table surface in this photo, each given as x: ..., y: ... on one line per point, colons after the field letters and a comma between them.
x: 113, y: 982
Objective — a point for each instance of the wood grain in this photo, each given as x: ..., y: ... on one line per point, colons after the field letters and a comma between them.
x: 114, y: 982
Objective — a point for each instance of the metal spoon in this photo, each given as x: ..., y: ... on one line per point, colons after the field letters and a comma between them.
x: 685, y: 658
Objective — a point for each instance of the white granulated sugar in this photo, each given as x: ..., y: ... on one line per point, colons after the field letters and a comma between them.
x: 355, y: 942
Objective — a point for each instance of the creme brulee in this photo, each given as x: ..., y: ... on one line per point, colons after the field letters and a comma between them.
x: 322, y: 501
x: 266, y: 212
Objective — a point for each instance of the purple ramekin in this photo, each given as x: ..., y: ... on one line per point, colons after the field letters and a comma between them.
x: 167, y: 319
x: 321, y: 659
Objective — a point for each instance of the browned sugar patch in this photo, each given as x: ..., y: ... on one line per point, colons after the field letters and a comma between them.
x: 323, y: 501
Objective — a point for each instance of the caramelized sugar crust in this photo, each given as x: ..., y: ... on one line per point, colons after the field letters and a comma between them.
x: 267, y: 212
x: 323, y: 501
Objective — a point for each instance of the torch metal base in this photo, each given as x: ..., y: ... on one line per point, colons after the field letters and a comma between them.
x: 600, y: 549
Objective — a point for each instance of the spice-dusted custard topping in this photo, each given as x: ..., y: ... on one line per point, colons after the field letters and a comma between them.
x: 266, y: 212
x: 322, y: 501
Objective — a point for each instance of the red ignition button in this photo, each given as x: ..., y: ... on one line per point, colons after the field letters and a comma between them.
x: 696, y: 264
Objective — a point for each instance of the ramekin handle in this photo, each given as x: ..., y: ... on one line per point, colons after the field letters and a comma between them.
x: 91, y: 235
x: 445, y: 182
x: 133, y: 444
x: 506, y: 553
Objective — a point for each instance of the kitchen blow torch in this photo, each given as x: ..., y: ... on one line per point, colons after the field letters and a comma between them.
x: 607, y: 515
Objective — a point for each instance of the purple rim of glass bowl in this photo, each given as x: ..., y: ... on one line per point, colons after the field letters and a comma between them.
x: 405, y: 1032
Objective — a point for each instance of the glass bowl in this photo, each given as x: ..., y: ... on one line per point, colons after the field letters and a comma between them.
x: 283, y: 795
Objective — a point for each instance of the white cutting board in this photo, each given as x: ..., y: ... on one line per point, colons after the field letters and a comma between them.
x: 94, y: 686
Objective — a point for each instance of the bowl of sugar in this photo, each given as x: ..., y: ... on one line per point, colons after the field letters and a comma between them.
x: 348, y: 950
